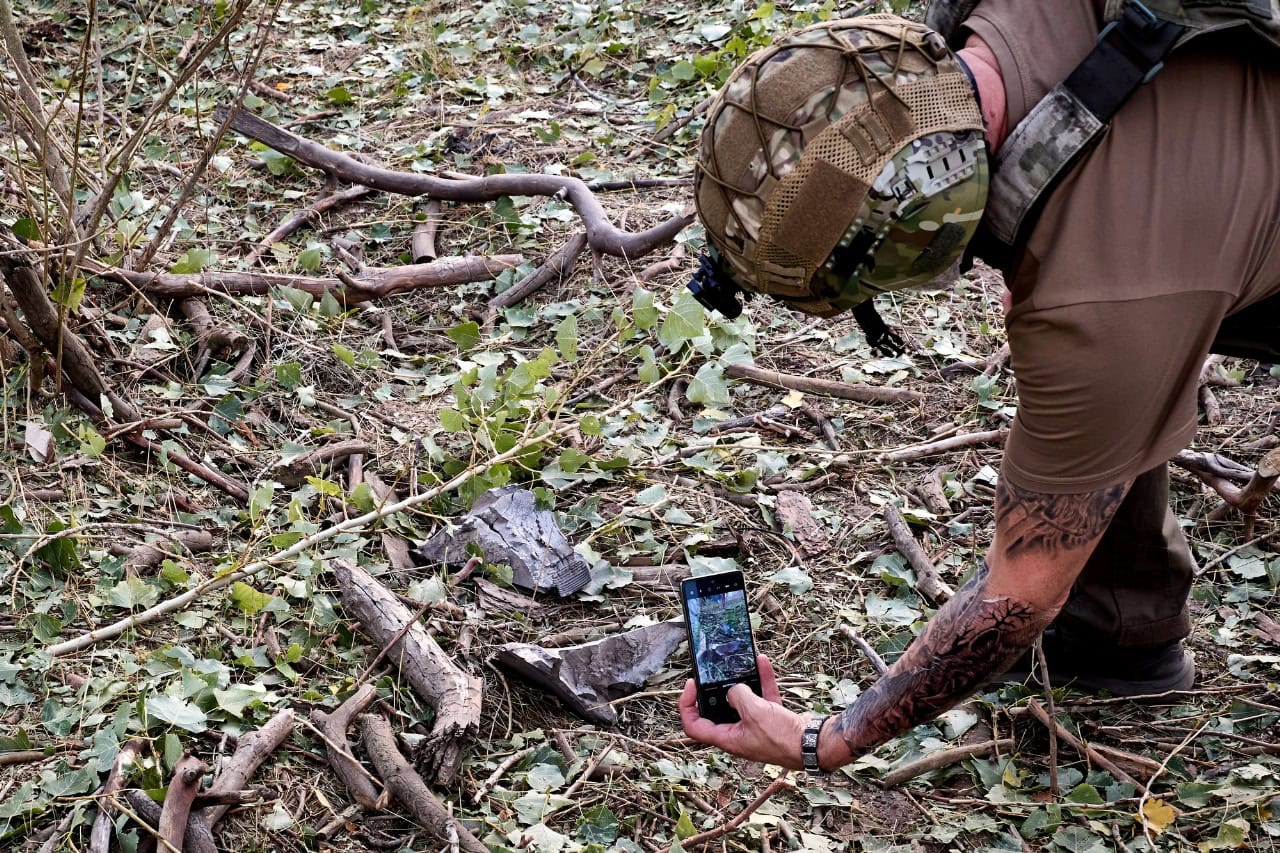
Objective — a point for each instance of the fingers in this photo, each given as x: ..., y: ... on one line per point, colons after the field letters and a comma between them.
x: 768, y: 680
x: 697, y: 726
x: 743, y: 700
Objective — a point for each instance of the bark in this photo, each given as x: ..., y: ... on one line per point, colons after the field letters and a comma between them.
x: 334, y: 727
x: 177, y: 800
x: 928, y: 581
x: 408, y: 787
x: 78, y: 363
x: 823, y: 387
x: 149, y: 554
x: 309, y: 464
x: 559, y: 266
x: 424, y: 234
x: 455, y: 695
x: 251, y: 750
x: 919, y: 451
x: 369, y: 285
x: 602, y: 236
x: 100, y: 835
x: 944, y: 758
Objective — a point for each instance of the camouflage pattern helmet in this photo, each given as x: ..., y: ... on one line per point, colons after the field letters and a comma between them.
x: 845, y: 160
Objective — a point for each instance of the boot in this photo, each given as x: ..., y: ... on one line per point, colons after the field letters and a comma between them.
x: 1098, y: 668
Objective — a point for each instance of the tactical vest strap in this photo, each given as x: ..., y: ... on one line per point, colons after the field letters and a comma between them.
x: 1069, y: 120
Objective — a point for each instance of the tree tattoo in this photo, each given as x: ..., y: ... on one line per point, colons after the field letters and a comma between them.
x: 971, y: 637
x: 1033, y: 522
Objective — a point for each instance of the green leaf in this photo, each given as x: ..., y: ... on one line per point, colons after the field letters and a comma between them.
x: 309, y: 260
x: 685, y: 320
x: 176, y: 712
x: 684, y: 826
x: 590, y: 425
x: 567, y: 338
x: 598, y: 826
x: 237, y: 697
x: 643, y: 311
x: 452, y: 420
x: 69, y: 292
x: 248, y: 599
x: 1231, y: 835
x: 339, y: 95
x: 1196, y: 794
x: 708, y: 386
x: 465, y: 335
x: 131, y: 593
x: 193, y: 261
x: 289, y: 375
x: 1077, y: 839
x: 45, y: 628
x: 172, y: 749
x: 794, y: 577
x: 648, y: 371
x: 683, y: 70
x: 344, y: 355
x: 1085, y: 794
x: 27, y: 229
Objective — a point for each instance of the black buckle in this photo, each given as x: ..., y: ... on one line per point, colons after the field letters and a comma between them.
x: 713, y: 288
x: 1129, y: 52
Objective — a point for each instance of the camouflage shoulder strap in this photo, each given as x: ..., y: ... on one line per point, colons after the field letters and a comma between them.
x: 1073, y: 116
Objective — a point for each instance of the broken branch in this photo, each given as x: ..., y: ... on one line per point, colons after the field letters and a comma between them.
x: 928, y: 581
x: 823, y: 387
x: 602, y: 236
x: 919, y: 451
x: 1038, y: 711
x: 334, y: 728
x: 944, y: 758
x: 178, y: 798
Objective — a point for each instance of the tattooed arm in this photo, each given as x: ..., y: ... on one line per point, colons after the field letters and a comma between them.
x: 1041, y: 544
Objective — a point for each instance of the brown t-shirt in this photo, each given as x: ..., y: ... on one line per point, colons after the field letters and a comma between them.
x: 1171, y: 223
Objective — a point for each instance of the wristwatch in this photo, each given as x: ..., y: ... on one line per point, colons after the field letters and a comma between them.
x: 809, y: 744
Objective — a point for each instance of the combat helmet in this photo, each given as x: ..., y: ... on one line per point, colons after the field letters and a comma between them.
x: 845, y: 160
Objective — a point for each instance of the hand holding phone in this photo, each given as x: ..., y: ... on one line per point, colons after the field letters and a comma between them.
x: 720, y: 641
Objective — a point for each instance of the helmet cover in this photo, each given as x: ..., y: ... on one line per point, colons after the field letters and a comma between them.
x: 845, y: 160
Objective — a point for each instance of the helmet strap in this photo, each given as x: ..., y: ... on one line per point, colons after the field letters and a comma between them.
x: 883, y: 340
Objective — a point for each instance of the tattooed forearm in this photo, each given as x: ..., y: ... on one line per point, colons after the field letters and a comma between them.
x: 972, y: 637
x: 1032, y: 522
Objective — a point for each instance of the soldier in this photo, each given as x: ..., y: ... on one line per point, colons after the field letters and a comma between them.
x: 1138, y: 227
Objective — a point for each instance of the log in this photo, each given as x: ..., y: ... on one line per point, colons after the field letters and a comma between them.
x: 823, y: 387
x: 944, y: 758
x: 601, y: 235
x: 100, y: 835
x: 334, y: 728
x: 252, y: 749
x: 409, y: 789
x: 368, y: 285
x: 928, y: 582
x: 177, y: 800
x: 455, y: 695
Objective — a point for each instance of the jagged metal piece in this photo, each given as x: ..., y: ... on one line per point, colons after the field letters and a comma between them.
x: 509, y: 529
x: 589, y: 676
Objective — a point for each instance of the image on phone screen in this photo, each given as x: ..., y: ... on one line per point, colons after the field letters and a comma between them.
x: 720, y: 631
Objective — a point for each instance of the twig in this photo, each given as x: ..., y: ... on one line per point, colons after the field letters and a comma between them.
x: 306, y: 216
x: 928, y: 581
x: 944, y: 758
x: 601, y: 234
x: 1146, y: 789
x: 100, y: 835
x: 1078, y: 745
x: 822, y: 387
x: 26, y: 756
x: 334, y: 727
x: 1053, y: 715
x: 823, y: 423
x: 780, y: 783
x: 423, y: 242
x: 877, y: 662
x: 559, y: 266
x: 919, y: 451
x: 407, y: 786
x: 496, y: 776
x: 252, y: 749
x: 587, y: 771
x: 178, y: 798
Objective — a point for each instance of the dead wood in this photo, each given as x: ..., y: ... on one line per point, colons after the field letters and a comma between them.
x: 334, y: 727
x: 177, y: 800
x: 507, y: 763
x: 822, y: 422
x: 26, y: 756
x: 1218, y: 472
x: 149, y: 554
x: 822, y: 387
x: 143, y: 806
x: 559, y: 266
x: 252, y: 749
x: 919, y: 451
x: 944, y: 758
x: 73, y: 357
x: 100, y: 835
x: 309, y: 464
x: 424, y: 234
x: 1209, y: 403
x: 928, y: 582
x: 873, y: 657
x: 671, y: 263
x: 234, y: 798
x: 933, y: 492
x: 408, y: 788
x: 795, y: 511
x: 1078, y: 745
x: 306, y: 216
x: 780, y: 783
x: 211, y: 337
x: 455, y: 695
x: 368, y: 285
x: 602, y: 236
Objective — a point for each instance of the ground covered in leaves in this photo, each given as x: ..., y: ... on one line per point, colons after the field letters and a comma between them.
x: 611, y: 381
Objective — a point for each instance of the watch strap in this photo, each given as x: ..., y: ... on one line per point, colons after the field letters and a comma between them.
x: 809, y: 743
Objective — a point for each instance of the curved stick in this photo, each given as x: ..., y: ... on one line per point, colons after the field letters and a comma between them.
x: 602, y: 236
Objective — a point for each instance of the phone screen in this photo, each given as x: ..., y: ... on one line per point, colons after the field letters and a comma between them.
x: 720, y: 640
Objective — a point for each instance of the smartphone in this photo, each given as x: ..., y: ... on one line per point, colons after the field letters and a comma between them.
x: 720, y: 641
